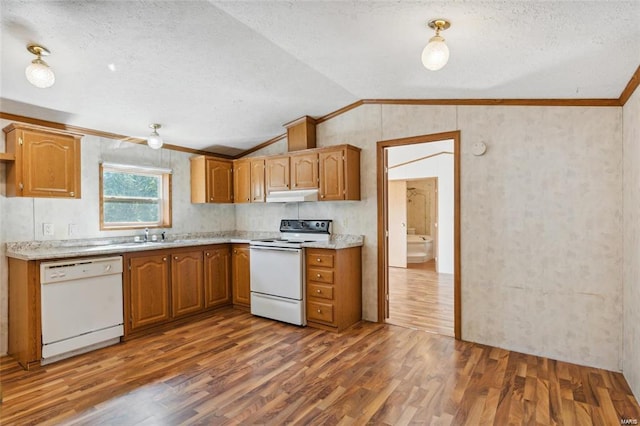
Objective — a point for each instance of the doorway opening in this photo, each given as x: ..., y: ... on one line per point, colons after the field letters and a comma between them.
x: 419, y: 232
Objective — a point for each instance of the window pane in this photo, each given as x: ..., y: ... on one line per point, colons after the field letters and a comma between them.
x: 134, y: 198
x: 118, y: 212
x: 130, y: 185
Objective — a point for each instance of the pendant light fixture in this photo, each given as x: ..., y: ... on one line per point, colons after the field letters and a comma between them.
x: 154, y: 140
x: 38, y: 72
x: 436, y: 54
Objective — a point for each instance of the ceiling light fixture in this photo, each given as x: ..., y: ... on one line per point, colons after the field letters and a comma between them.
x: 38, y: 72
x: 436, y: 54
x: 154, y: 140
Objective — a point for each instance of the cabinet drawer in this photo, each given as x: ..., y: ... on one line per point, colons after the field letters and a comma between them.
x: 322, y: 291
x: 321, y: 275
x: 317, y: 259
x: 319, y: 311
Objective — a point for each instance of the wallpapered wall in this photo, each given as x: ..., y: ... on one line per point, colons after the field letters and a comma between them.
x: 631, y: 189
x: 541, y: 221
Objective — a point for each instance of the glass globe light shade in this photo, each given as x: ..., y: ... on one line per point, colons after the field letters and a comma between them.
x: 39, y: 74
x: 154, y: 141
x: 436, y: 54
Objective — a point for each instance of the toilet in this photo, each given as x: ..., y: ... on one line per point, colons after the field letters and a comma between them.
x: 419, y: 247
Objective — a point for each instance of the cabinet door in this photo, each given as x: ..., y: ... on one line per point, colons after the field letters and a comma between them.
x: 331, y: 175
x: 257, y: 181
x: 50, y: 165
x: 242, y: 181
x: 240, y: 275
x: 219, y: 181
x: 149, y: 282
x: 187, y: 283
x: 217, y: 273
x: 304, y: 171
x: 277, y: 173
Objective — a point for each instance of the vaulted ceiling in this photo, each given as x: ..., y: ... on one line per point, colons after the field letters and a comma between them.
x: 221, y: 74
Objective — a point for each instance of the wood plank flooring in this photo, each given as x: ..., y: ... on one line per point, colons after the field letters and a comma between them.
x: 233, y: 368
x: 421, y: 299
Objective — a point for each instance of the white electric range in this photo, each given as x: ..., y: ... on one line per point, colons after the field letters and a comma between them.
x: 277, y: 270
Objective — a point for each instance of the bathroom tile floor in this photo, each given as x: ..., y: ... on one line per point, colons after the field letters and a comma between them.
x: 421, y: 299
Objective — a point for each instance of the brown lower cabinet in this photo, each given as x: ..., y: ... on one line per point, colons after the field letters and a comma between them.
x: 148, y: 290
x: 25, y: 331
x: 334, y: 288
x: 240, y: 275
x: 217, y: 276
x: 163, y: 286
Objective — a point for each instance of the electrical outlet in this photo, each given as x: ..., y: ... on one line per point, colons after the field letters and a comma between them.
x: 47, y: 229
x: 73, y: 229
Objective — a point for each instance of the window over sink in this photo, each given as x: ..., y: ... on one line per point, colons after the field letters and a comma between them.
x: 134, y: 197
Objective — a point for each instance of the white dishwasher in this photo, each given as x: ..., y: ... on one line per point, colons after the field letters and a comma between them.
x: 81, y: 303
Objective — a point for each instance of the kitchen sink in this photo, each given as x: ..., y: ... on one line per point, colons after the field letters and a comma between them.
x: 125, y: 245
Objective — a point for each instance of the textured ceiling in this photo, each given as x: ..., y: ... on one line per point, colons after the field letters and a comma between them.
x: 231, y: 73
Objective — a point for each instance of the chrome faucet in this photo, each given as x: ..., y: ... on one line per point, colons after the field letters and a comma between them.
x: 146, y: 234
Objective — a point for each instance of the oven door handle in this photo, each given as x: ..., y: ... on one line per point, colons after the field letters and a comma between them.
x: 274, y: 248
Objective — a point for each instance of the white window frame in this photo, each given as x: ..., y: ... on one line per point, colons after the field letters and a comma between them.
x: 164, y: 200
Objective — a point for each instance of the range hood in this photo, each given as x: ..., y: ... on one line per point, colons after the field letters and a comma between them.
x: 292, y: 196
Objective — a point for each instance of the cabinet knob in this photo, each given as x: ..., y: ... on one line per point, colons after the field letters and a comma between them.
x: 318, y: 275
x: 208, y: 254
x: 72, y: 194
x: 322, y: 196
x: 164, y: 259
x: 318, y: 291
x: 319, y: 311
x: 211, y: 199
x: 235, y: 251
x: 318, y: 260
x: 175, y: 257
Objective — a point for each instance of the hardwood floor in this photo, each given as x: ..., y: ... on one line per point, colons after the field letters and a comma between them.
x: 421, y: 299
x: 233, y: 368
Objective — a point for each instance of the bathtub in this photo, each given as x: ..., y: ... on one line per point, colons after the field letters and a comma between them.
x: 419, y: 248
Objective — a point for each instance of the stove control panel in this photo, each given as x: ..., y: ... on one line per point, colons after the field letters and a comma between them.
x: 319, y: 226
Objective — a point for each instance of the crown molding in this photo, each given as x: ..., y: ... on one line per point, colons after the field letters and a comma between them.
x: 630, y: 88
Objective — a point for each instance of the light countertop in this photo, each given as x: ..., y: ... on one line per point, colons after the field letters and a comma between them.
x: 40, y: 250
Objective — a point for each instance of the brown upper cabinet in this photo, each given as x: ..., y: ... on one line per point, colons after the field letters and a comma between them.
x: 339, y: 169
x: 295, y: 171
x: 248, y: 180
x: 42, y: 162
x: 242, y: 181
x: 301, y: 133
x: 334, y: 171
x: 211, y: 180
x: 277, y: 173
x: 304, y: 170
x: 257, y: 181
